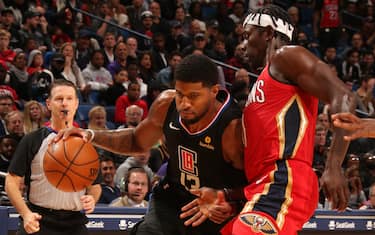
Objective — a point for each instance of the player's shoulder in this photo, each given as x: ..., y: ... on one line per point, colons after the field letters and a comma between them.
x: 290, y: 50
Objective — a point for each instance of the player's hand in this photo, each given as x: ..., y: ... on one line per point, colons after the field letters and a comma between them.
x: 65, y: 133
x: 335, y: 187
x: 210, y: 204
x: 88, y: 203
x: 350, y: 122
x: 31, y: 222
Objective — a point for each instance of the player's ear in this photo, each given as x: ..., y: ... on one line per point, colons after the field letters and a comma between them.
x: 48, y: 104
x: 215, y: 89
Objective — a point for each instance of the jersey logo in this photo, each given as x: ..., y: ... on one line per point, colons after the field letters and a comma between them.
x: 173, y: 127
x: 187, y: 160
x: 258, y: 223
x: 207, y: 143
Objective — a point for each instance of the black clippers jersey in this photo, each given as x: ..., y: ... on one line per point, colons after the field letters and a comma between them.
x: 196, y: 159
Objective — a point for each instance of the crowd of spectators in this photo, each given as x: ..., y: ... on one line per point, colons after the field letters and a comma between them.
x: 120, y: 65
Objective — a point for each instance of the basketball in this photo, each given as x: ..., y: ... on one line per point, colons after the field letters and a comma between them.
x: 71, y: 165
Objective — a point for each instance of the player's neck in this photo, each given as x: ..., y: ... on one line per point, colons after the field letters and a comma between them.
x: 206, y: 119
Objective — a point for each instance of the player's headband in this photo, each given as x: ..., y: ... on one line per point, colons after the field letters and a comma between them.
x: 264, y: 20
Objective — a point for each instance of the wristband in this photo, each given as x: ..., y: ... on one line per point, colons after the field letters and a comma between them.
x: 92, y: 135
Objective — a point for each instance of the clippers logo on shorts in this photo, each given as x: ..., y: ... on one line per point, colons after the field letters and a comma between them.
x: 258, y: 223
x: 187, y: 160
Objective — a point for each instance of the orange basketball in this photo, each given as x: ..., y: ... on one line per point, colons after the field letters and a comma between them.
x: 71, y: 165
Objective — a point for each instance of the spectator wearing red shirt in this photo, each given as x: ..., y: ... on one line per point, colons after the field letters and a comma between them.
x: 124, y: 101
x: 6, y: 55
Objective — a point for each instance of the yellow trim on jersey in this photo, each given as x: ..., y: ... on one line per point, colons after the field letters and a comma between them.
x: 280, y: 219
x: 280, y: 122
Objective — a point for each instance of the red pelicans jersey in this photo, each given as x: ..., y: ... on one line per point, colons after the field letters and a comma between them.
x: 279, y: 122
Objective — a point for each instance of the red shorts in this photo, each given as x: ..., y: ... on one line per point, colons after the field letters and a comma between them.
x: 279, y: 202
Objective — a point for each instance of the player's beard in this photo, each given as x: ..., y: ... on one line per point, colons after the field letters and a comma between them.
x: 196, y: 118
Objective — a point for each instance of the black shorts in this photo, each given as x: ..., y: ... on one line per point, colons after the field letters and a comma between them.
x: 164, y: 211
x: 58, y: 222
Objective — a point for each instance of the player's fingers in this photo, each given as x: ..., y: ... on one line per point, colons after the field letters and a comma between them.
x: 190, y: 205
x: 199, y: 221
x: 193, y: 219
x: 190, y: 212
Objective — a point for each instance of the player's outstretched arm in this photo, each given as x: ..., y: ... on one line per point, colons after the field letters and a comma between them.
x: 360, y: 128
x: 314, y: 77
x: 129, y: 140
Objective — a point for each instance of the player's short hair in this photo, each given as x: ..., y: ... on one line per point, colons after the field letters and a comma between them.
x: 197, y: 68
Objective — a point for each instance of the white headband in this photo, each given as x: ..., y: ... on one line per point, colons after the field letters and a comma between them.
x: 265, y: 20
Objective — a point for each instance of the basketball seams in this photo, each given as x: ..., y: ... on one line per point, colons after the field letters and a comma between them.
x: 63, y: 165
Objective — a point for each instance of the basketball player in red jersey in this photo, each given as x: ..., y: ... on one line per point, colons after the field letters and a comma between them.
x: 49, y: 211
x: 279, y: 123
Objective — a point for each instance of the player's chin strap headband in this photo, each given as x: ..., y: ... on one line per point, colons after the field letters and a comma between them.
x: 264, y: 20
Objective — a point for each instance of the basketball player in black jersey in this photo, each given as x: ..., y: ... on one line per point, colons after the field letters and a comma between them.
x: 48, y: 211
x: 202, y: 128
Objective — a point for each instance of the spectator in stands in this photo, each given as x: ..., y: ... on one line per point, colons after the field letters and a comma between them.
x: 320, y: 148
x: 330, y: 56
x: 8, y: 23
x: 146, y: 29
x: 302, y: 40
x: 139, y: 161
x: 71, y: 70
x: 14, y: 123
x: 121, y: 55
x: 109, y: 42
x: 153, y: 91
x: 109, y: 190
x: 159, y: 24
x: 118, y: 88
x: 146, y: 71
x: 33, y: 117
x: 199, y: 42
x: 371, y: 202
x: 35, y: 27
x: 85, y: 45
x: 97, y: 77
x: 177, y: 39
x: 180, y: 16
x: 238, y: 60
x: 101, y: 26
x: 134, y: 115
x: 57, y: 66
x: 19, y: 78
x: 368, y: 64
x: 97, y: 118
x: 326, y: 23
x: 6, y: 54
x: 349, y: 70
x: 165, y: 76
x: 8, y: 144
x: 134, y: 12
x: 133, y: 74
x: 365, y: 98
x: 357, y: 195
x: 238, y: 11
x: 159, y: 54
x: 136, y: 184
x: 6, y: 106
x: 356, y: 43
x: 132, y: 45
x: 124, y: 101
x: 5, y: 86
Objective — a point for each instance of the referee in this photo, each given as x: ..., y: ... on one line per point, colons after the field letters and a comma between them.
x: 48, y: 210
